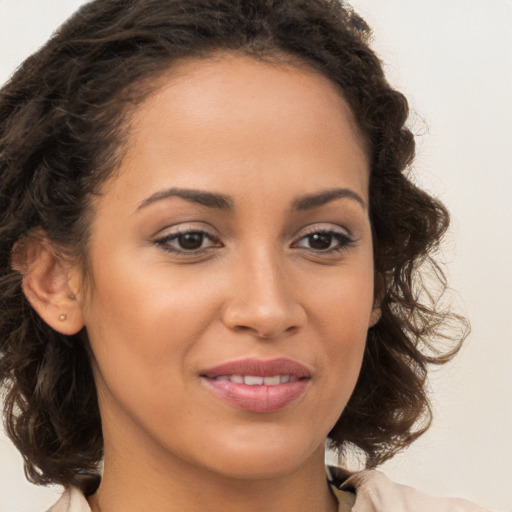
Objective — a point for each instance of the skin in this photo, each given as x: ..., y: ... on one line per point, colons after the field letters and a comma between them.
x: 264, y: 136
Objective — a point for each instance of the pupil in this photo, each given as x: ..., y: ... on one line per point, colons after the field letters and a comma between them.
x: 320, y: 241
x: 191, y: 241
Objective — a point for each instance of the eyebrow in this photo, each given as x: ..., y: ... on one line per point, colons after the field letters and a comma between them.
x: 318, y: 199
x: 209, y: 199
x: 223, y: 202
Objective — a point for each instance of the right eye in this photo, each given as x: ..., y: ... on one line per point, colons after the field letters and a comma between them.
x: 191, y: 242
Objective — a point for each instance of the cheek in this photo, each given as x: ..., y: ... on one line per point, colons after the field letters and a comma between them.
x: 138, y: 318
x: 343, y: 314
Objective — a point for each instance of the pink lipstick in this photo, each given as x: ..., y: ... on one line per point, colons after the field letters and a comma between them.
x: 256, y: 385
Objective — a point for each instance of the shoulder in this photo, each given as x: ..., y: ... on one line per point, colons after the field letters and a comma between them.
x: 375, y: 492
x: 72, y: 500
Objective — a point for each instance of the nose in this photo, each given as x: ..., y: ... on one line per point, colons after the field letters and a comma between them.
x: 263, y: 300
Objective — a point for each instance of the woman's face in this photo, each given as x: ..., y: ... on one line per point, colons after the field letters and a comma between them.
x: 232, y: 264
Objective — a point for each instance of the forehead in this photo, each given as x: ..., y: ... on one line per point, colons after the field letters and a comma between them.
x: 227, y: 119
x: 232, y: 88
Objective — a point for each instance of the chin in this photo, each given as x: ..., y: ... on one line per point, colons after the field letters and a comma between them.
x: 268, y: 460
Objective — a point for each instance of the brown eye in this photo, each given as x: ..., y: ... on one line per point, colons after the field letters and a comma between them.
x: 191, y: 241
x: 188, y: 242
x: 320, y: 241
x: 325, y: 241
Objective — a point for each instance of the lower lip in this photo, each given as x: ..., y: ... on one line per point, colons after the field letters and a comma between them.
x: 260, y: 399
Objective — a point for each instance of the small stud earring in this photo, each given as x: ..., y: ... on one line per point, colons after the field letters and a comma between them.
x: 63, y: 317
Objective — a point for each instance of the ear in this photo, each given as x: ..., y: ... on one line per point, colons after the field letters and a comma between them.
x: 49, y: 283
x: 380, y: 287
x: 374, y: 317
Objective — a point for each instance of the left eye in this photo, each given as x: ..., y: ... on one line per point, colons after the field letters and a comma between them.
x: 187, y: 242
x: 324, y: 241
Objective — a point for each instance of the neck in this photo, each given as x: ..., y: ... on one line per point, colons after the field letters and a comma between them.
x: 131, y: 484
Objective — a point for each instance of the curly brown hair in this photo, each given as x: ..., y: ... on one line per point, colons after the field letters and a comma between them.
x: 63, y: 118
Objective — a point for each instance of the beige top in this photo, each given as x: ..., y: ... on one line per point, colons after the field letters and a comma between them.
x: 366, y: 491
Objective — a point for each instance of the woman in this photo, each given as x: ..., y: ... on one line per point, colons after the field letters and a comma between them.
x: 210, y: 261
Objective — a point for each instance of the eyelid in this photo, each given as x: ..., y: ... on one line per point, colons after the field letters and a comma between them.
x: 172, y: 233
x: 323, y: 227
x: 184, y: 227
x: 345, y: 238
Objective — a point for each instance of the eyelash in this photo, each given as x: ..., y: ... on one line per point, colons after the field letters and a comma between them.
x: 344, y: 241
x: 164, y: 242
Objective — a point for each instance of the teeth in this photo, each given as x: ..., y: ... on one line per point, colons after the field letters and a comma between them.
x: 272, y: 381
x: 252, y: 380
x: 255, y: 380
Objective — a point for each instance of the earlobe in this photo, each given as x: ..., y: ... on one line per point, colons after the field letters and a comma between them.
x: 374, y: 317
x: 46, y: 284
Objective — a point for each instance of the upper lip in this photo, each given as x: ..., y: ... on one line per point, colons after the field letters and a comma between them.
x: 259, y: 367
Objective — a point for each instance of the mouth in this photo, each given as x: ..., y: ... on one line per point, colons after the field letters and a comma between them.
x: 258, y: 386
x: 257, y: 380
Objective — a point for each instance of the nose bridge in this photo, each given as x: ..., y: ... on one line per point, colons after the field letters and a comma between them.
x: 266, y: 276
x: 262, y: 299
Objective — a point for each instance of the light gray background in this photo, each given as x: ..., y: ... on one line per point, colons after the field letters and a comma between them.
x: 453, y: 60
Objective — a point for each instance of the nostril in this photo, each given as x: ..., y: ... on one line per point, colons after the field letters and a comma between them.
x: 268, y: 334
x: 255, y: 331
